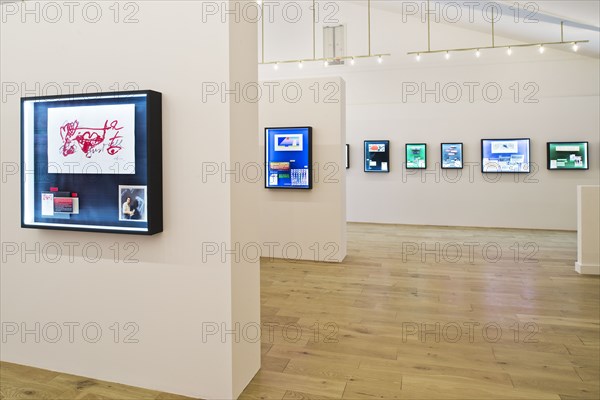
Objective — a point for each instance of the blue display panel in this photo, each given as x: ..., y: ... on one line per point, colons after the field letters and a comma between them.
x: 92, y: 162
x: 288, y: 158
x: 505, y: 155
x: 377, y: 156
x: 452, y: 155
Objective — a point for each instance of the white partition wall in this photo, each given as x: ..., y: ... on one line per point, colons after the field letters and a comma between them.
x: 307, y: 224
x: 165, y: 312
x: 588, y: 230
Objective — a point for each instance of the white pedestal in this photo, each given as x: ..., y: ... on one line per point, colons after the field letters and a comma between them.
x: 588, y: 230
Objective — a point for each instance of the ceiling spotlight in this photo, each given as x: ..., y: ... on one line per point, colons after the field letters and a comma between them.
x: 276, y: 66
x: 509, y: 51
x: 447, y: 55
x: 259, y: 2
x: 301, y: 64
x: 418, y: 57
x: 575, y: 46
x: 352, y: 61
x: 380, y: 60
x: 477, y: 53
x: 542, y: 49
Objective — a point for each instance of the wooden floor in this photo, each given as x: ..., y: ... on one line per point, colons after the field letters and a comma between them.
x: 408, y: 316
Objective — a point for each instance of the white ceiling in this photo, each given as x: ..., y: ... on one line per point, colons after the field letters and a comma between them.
x: 581, y: 19
x: 579, y: 11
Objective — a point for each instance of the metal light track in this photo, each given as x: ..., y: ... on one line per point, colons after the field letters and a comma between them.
x: 493, y: 46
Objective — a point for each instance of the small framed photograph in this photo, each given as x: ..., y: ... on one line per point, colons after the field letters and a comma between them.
x: 452, y: 155
x: 416, y: 156
x: 133, y: 203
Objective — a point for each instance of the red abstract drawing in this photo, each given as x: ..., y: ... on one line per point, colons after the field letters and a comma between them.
x: 92, y: 139
x: 89, y: 139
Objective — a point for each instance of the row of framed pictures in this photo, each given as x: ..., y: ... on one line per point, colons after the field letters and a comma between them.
x: 288, y: 156
x: 497, y: 155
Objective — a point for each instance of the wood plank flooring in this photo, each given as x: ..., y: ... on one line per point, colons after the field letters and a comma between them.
x: 412, y: 313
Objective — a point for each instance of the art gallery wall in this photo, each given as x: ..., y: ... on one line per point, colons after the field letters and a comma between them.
x: 155, y: 312
x: 307, y: 224
x: 549, y: 97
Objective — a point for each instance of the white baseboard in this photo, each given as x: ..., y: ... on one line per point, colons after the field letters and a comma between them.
x: 587, y: 269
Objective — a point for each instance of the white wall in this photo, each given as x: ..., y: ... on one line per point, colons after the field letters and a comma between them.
x: 308, y: 224
x: 168, y: 292
x: 564, y: 86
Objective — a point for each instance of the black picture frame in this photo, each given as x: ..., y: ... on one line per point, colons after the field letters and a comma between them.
x: 385, y: 157
x: 310, y: 158
x: 347, y: 156
x: 424, y: 147
x: 462, y: 158
x: 483, y: 171
x: 152, y: 163
x: 587, y: 156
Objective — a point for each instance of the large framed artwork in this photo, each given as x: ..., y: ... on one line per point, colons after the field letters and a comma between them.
x: 80, y: 153
x: 288, y: 158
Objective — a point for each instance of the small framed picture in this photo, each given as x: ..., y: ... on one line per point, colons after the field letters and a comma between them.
x: 452, y: 155
x: 567, y: 155
x: 377, y: 156
x: 416, y: 156
x: 133, y: 203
